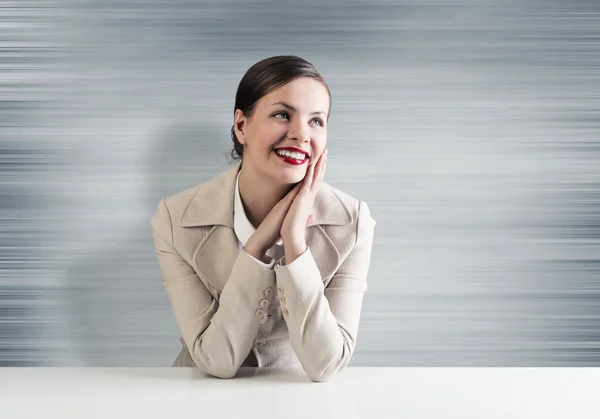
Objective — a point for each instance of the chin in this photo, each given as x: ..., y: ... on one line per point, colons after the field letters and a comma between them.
x: 289, y: 178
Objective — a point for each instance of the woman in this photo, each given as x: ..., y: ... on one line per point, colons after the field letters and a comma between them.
x: 266, y: 265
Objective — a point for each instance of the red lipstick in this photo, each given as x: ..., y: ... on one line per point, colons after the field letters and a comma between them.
x: 291, y: 160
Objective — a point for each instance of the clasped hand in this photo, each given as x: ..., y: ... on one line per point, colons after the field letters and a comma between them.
x: 289, y: 217
x: 293, y: 228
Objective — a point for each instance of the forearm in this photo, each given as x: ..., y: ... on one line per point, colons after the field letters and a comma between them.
x: 218, y: 334
x: 321, y: 345
x: 323, y: 322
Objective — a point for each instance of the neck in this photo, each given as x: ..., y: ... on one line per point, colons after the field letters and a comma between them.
x: 259, y: 194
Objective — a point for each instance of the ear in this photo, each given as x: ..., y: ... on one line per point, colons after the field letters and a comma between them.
x: 239, y: 125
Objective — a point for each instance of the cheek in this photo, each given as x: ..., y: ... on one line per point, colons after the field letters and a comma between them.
x: 259, y: 140
x: 269, y: 134
x: 320, y: 144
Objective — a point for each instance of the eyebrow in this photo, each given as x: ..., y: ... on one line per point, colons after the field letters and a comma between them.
x: 294, y: 109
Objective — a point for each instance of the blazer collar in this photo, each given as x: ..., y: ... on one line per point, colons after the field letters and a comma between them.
x: 212, y: 204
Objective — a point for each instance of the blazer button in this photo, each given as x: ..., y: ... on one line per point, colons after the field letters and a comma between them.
x: 260, y: 313
x: 282, y: 300
x: 269, y: 292
x: 280, y: 290
x: 264, y: 303
x: 263, y: 319
x: 285, y: 311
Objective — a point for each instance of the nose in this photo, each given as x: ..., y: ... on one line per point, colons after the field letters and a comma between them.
x: 299, y: 132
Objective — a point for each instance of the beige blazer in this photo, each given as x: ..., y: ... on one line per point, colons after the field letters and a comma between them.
x: 221, y: 297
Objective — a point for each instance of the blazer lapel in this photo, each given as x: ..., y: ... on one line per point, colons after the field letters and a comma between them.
x: 212, y: 206
x: 215, y: 256
x: 213, y: 202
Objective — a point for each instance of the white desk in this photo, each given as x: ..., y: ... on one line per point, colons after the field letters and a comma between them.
x: 440, y: 393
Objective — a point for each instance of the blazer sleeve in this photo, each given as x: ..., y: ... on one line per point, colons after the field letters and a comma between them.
x: 323, y: 322
x: 218, y: 334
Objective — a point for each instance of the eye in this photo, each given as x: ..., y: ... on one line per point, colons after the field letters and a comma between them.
x: 280, y: 113
x: 321, y: 123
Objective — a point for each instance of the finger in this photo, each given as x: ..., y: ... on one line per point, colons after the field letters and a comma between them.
x: 323, y: 168
x: 287, y: 204
x: 287, y: 200
x: 292, y: 194
x: 319, y: 171
x: 308, y: 179
x: 294, y: 190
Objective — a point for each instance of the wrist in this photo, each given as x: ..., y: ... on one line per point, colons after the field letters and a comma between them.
x: 295, y: 240
x: 255, y: 250
x: 293, y: 250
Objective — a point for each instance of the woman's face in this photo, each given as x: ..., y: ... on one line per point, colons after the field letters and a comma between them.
x: 294, y: 116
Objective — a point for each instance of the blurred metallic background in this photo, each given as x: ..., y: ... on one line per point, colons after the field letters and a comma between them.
x: 470, y: 127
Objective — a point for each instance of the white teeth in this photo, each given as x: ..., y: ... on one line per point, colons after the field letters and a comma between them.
x: 292, y: 154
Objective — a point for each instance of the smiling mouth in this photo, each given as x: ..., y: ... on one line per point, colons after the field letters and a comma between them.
x: 292, y: 157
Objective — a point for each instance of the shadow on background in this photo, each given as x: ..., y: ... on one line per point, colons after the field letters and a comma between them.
x: 119, y: 313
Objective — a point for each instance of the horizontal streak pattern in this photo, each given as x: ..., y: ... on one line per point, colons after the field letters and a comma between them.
x: 470, y: 128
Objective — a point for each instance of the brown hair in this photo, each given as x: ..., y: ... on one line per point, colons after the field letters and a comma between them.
x: 265, y: 76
